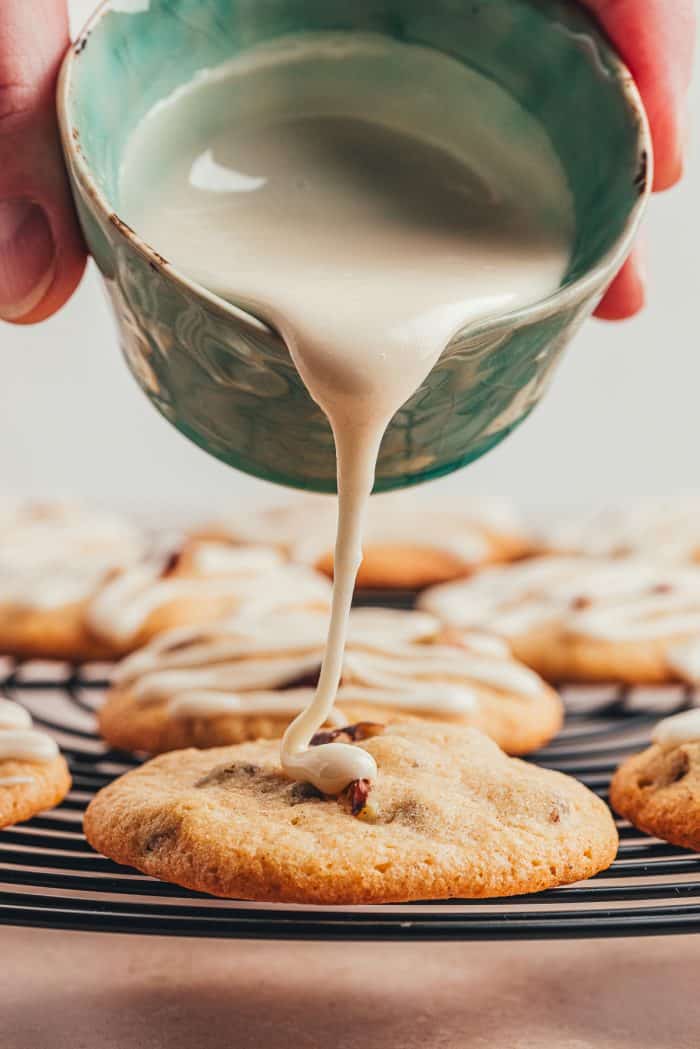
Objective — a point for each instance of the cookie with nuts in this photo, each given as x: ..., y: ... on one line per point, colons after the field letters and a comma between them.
x: 53, y: 558
x: 406, y: 546
x: 659, y: 790
x: 196, y: 583
x: 582, y: 619
x: 245, y: 678
x: 450, y: 815
x: 666, y: 528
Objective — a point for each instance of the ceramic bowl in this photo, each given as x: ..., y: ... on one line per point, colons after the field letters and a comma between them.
x: 223, y: 377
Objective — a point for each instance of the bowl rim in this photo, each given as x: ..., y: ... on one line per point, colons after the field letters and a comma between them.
x: 592, y: 281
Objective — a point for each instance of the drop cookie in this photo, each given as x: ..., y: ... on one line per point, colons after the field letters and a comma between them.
x: 582, y: 619
x: 53, y: 558
x: 659, y: 790
x: 449, y: 816
x: 196, y: 583
x: 244, y: 679
x: 33, y: 774
x: 663, y: 529
x: 406, y: 546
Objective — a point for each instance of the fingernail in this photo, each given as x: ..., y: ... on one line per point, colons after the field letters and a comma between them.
x: 27, y: 258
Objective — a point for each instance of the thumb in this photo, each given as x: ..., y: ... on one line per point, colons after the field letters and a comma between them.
x: 42, y: 255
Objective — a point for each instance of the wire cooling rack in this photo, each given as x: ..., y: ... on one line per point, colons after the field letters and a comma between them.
x: 51, y: 878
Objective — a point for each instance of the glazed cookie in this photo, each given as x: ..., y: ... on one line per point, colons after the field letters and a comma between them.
x: 33, y: 775
x: 449, y: 816
x: 406, y: 546
x: 659, y: 790
x: 582, y: 619
x: 197, y: 583
x: 243, y: 679
x: 53, y: 557
x: 666, y: 529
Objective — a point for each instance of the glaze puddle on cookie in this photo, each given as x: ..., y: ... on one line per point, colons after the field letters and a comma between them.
x: 368, y: 241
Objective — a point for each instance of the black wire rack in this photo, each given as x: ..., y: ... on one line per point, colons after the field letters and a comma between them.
x: 51, y: 878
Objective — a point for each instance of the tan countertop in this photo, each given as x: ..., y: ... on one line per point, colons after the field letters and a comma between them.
x: 85, y: 991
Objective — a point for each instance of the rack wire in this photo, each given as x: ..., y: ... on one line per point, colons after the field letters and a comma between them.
x: 51, y: 878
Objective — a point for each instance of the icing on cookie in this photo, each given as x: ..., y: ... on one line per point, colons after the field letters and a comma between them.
x: 57, y: 554
x: 609, y: 599
x: 684, y: 659
x: 393, y: 658
x: 13, y: 716
x: 648, y: 616
x: 668, y: 530
x: 243, y: 577
x: 306, y: 530
x: 680, y: 728
x: 20, y: 742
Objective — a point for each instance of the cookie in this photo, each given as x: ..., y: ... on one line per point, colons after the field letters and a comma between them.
x: 581, y: 619
x: 53, y: 558
x: 667, y: 529
x: 33, y: 775
x: 659, y: 790
x: 197, y: 583
x: 243, y: 679
x: 406, y: 545
x: 448, y: 816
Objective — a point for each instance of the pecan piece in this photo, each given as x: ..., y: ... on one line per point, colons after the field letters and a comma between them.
x: 348, y: 733
x: 356, y: 794
x: 560, y: 808
x: 308, y: 680
x: 172, y: 563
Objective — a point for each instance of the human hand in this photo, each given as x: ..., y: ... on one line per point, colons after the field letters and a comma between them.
x: 42, y: 255
x: 656, y: 39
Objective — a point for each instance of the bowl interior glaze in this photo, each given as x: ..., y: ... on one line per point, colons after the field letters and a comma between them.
x: 224, y: 378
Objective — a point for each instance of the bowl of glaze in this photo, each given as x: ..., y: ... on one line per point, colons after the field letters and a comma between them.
x: 225, y: 378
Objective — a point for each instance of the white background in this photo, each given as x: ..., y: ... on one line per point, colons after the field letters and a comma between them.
x: 622, y: 419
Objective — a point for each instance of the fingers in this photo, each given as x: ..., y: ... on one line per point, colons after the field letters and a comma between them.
x: 42, y: 256
x: 626, y: 294
x: 656, y: 39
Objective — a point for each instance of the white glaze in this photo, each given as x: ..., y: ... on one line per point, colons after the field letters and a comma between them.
x: 392, y: 659
x: 246, y: 578
x: 684, y: 660
x: 625, y: 599
x: 20, y: 742
x: 667, y: 529
x: 367, y: 242
x: 679, y: 728
x: 305, y: 529
x: 56, y: 554
x: 13, y: 716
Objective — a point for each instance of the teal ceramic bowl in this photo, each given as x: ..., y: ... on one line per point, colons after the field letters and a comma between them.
x: 223, y: 377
